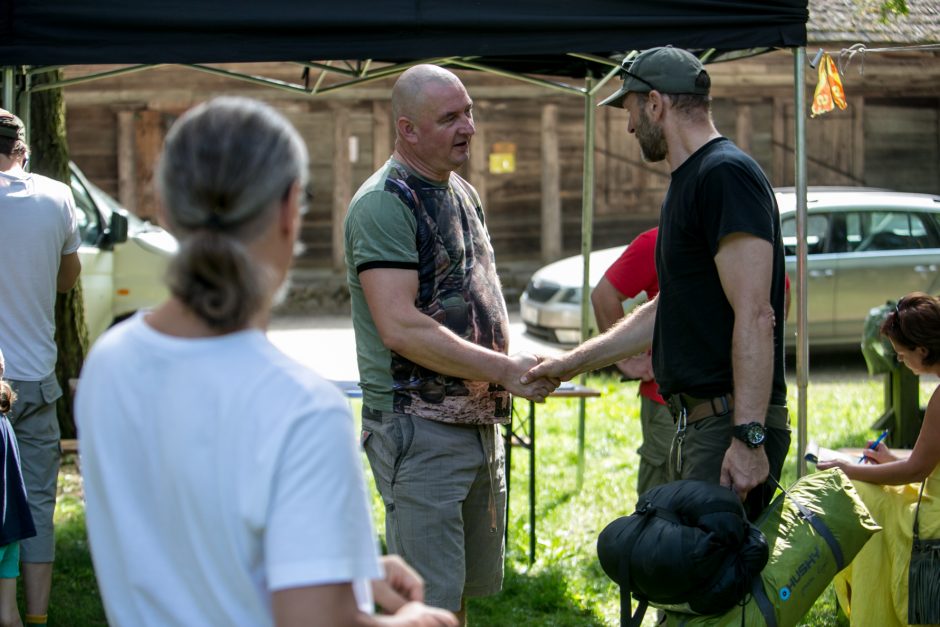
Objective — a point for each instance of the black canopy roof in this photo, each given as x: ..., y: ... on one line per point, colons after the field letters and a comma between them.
x: 521, y: 35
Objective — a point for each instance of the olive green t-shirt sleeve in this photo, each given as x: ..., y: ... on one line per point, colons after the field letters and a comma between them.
x: 380, y: 232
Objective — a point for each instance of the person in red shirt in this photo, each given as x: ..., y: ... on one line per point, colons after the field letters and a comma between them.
x: 633, y: 273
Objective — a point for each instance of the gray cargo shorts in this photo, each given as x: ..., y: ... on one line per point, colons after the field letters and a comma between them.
x: 37, y: 433
x: 444, y: 490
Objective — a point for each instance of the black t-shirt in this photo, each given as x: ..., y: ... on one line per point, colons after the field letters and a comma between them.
x: 717, y: 191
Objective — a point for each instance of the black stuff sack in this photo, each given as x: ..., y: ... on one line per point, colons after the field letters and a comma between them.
x: 688, y: 544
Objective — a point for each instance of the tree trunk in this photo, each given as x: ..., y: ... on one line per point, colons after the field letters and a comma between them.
x: 49, y: 156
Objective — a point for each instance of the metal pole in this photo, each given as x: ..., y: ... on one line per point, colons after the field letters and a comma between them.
x: 799, y: 169
x: 8, y: 100
x: 89, y: 77
x: 25, y: 107
x: 587, y: 234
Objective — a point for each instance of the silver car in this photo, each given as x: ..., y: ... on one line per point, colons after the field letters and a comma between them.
x: 865, y: 246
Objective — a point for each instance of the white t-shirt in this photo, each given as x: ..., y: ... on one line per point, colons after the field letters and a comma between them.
x: 216, y: 470
x: 37, y: 227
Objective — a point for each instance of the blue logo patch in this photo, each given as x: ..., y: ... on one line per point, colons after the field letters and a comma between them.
x: 784, y: 593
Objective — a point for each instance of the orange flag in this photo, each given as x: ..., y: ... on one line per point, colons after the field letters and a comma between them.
x: 829, y: 90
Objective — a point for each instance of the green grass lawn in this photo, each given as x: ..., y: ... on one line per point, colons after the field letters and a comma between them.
x: 565, y: 586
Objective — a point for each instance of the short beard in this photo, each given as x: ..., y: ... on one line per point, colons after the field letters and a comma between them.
x: 653, y: 145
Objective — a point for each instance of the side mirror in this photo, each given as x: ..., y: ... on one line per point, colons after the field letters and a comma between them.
x: 116, y: 233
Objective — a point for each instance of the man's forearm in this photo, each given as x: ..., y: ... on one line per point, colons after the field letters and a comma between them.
x: 435, y: 347
x: 752, y: 356
x: 630, y: 336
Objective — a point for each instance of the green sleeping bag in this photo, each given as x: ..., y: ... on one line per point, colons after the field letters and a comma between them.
x: 813, y: 530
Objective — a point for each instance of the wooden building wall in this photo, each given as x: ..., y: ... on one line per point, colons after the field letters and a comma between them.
x: 888, y: 137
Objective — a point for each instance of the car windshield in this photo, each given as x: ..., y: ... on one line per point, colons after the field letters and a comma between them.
x: 92, y: 201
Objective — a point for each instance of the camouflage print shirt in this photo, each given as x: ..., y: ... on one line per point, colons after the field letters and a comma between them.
x: 398, y: 219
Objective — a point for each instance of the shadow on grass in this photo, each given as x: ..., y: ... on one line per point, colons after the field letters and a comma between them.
x: 550, y: 505
x: 532, y: 600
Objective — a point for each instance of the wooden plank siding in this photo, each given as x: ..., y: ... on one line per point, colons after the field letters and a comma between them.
x: 889, y: 136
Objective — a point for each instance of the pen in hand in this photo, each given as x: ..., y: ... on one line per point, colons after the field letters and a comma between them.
x: 874, y: 445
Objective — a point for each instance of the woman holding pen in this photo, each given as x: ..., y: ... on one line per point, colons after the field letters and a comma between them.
x: 874, y: 588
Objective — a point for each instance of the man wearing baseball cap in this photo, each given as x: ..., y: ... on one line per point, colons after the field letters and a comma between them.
x: 39, y: 242
x: 716, y: 326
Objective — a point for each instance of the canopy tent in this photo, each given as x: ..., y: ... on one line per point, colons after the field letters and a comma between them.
x: 523, y: 38
x: 213, y: 31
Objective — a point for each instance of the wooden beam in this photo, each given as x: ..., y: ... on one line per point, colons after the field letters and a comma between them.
x: 779, y: 141
x: 743, y: 127
x: 858, y: 139
x: 381, y: 133
x: 342, y: 182
x: 126, y: 162
x: 148, y: 140
x: 551, y: 242
x: 479, y: 155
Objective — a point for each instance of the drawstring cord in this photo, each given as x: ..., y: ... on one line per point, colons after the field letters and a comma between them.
x: 488, y: 433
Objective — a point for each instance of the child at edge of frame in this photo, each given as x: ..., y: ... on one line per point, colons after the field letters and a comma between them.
x: 16, y: 523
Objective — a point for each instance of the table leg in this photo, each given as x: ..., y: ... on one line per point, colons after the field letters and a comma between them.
x: 582, y: 411
x: 531, y: 482
x: 508, y: 457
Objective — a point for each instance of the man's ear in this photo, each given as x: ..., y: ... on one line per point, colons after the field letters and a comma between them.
x: 655, y: 105
x: 406, y: 130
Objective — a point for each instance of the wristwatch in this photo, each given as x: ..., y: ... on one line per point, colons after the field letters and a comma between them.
x: 753, y: 434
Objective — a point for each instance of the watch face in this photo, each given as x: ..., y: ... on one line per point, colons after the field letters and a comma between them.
x: 755, y: 434
x: 752, y: 434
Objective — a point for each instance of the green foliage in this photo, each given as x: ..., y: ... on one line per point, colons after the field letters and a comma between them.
x: 565, y: 587
x: 887, y: 9
x: 890, y: 8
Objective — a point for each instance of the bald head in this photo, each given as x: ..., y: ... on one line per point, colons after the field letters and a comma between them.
x: 411, y: 86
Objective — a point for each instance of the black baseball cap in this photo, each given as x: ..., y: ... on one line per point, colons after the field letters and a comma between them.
x: 666, y: 69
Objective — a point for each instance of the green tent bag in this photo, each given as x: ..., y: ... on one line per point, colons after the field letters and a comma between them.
x: 814, y: 530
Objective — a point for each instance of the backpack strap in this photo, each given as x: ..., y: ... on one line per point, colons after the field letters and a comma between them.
x: 647, y: 512
x: 763, y: 603
x: 818, y: 525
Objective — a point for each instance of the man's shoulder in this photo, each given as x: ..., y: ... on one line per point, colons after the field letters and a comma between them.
x: 724, y: 155
x: 43, y: 185
x: 37, y: 185
x: 457, y: 181
x: 387, y: 184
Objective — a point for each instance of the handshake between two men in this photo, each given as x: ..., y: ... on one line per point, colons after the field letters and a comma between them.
x: 533, y: 377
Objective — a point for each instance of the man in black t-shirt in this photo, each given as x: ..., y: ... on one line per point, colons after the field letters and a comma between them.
x: 716, y: 327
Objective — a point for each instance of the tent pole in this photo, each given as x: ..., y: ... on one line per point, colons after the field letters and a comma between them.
x: 799, y: 169
x: 8, y: 102
x: 25, y: 106
x: 587, y: 234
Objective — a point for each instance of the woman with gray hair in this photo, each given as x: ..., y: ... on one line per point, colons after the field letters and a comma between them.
x: 222, y: 481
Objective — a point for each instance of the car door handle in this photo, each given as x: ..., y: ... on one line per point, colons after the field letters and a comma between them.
x: 931, y: 268
x: 815, y: 274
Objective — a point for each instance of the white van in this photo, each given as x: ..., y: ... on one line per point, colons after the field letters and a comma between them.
x: 123, y: 257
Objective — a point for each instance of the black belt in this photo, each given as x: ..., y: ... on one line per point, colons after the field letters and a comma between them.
x: 699, y: 408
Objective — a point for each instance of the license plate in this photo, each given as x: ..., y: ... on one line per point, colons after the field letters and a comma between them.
x: 529, y: 314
